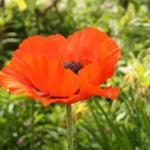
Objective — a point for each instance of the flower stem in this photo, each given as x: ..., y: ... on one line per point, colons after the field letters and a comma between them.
x: 69, y: 128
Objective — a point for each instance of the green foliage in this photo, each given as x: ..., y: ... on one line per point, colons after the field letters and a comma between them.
x: 102, y: 124
x: 119, y: 125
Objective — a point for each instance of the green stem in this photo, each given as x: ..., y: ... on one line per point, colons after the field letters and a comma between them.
x: 69, y: 127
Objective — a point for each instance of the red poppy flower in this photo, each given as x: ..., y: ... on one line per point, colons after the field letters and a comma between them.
x: 63, y: 70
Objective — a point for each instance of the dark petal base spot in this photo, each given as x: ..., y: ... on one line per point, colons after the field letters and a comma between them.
x: 75, y: 67
x: 48, y: 96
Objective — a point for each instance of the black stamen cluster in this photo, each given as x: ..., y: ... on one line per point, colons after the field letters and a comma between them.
x: 75, y: 67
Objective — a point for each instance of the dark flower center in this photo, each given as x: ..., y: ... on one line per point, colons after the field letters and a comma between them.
x: 74, y: 66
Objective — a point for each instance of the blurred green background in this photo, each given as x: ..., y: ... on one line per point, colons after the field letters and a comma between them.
x: 100, y: 124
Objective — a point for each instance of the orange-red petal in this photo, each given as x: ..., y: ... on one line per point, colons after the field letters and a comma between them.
x: 45, y: 76
x: 70, y: 100
x: 92, y: 73
x: 84, y: 46
x: 52, y: 46
x: 92, y: 45
x: 10, y: 82
x: 89, y: 83
x: 112, y: 54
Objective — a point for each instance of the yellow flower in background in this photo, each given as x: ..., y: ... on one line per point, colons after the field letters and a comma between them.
x: 80, y: 108
x: 21, y: 4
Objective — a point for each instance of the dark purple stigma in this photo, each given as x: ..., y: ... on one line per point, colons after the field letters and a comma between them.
x: 73, y: 66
